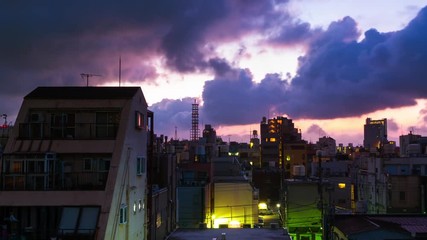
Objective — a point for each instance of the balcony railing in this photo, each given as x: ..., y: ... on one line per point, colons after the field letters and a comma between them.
x: 76, y: 131
x: 76, y: 181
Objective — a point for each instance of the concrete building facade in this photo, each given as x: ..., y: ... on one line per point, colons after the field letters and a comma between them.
x: 75, y: 164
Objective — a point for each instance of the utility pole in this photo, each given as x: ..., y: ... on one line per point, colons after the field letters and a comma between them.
x: 320, y: 189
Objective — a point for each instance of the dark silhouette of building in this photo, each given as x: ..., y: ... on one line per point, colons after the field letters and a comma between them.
x: 275, y: 133
x: 375, y: 133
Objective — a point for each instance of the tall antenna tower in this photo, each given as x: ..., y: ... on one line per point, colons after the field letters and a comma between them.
x: 194, y: 133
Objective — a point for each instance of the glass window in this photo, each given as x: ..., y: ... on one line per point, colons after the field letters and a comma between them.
x: 68, y: 220
x: 88, y: 219
x: 87, y: 164
x: 103, y: 165
x: 140, y: 165
x: 62, y: 125
x: 123, y: 214
x: 107, y: 124
x: 139, y: 120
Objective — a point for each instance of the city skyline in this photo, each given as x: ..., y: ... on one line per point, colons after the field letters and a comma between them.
x: 328, y: 66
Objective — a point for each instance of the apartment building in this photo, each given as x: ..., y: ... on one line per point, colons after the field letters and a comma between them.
x: 392, y: 185
x: 74, y: 166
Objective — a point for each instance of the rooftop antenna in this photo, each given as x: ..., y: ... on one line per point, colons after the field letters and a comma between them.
x: 176, y: 134
x: 87, y: 75
x: 120, y: 70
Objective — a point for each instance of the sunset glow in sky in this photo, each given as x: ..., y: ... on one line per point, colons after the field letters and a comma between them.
x: 326, y: 64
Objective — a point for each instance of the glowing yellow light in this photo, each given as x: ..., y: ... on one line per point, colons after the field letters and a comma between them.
x: 341, y: 185
x: 288, y: 158
x: 272, y: 139
x: 220, y: 221
x: 251, y: 163
x: 251, y: 145
x: 234, y: 224
x: 278, y: 205
x: 262, y: 206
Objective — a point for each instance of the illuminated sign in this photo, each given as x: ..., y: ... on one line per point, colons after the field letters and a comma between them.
x: 379, y: 122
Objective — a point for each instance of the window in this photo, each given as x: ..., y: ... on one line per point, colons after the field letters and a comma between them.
x: 123, y: 213
x: 63, y: 125
x: 139, y: 120
x: 103, y: 165
x: 402, y: 196
x: 107, y: 124
x: 140, y: 205
x: 87, y: 164
x: 82, y: 220
x: 140, y: 165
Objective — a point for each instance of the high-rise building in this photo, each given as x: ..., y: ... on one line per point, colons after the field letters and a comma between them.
x: 275, y: 133
x: 375, y: 133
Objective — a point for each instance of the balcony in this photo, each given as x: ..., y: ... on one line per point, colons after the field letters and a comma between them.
x: 77, y: 131
x: 70, y: 181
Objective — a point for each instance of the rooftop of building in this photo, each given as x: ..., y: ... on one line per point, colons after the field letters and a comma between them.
x: 230, y: 234
x: 351, y: 224
x: 82, y: 93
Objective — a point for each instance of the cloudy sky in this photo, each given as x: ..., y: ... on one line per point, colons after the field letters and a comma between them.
x: 326, y: 64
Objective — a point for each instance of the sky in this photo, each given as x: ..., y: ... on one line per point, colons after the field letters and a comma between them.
x: 326, y: 64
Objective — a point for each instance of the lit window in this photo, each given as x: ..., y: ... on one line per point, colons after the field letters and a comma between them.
x: 123, y: 214
x: 158, y: 220
x: 341, y: 185
x: 288, y: 158
x: 272, y: 139
x: 140, y: 165
x: 139, y: 120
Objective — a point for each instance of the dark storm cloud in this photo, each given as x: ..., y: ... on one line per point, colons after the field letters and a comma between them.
x: 292, y: 33
x: 177, y: 112
x: 339, y: 76
x: 344, y: 77
x: 52, y: 43
x: 234, y: 98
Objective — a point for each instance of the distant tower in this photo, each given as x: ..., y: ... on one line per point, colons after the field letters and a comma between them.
x: 194, y: 133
